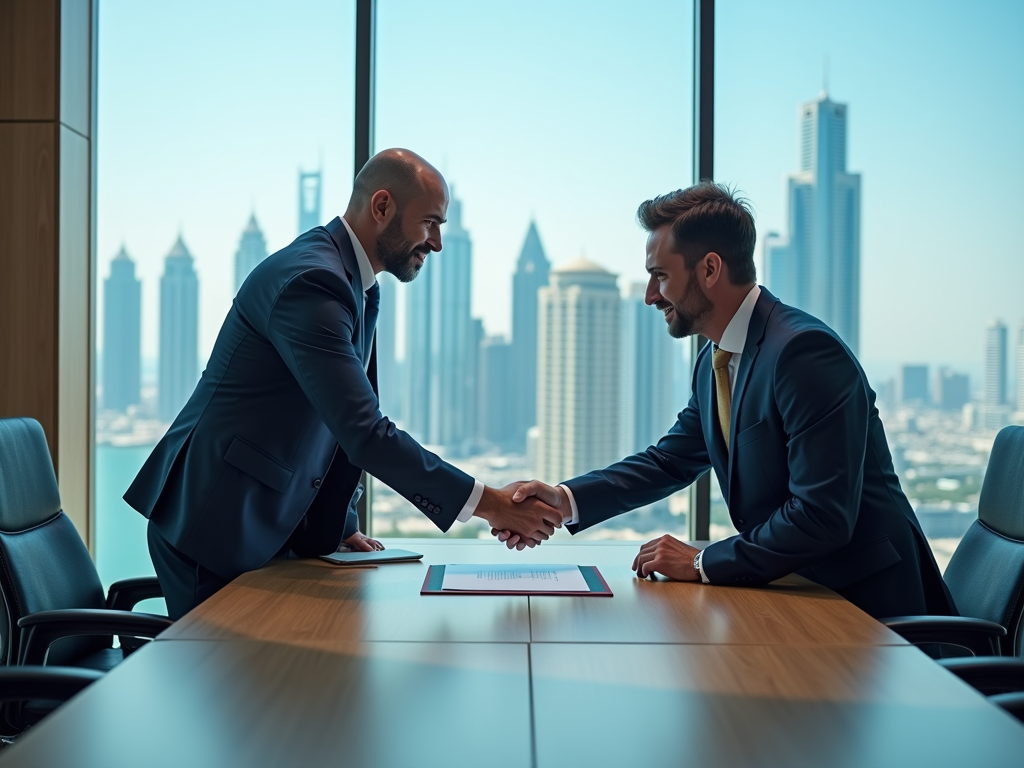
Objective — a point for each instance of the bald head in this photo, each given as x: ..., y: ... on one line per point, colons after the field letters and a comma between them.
x: 401, y: 172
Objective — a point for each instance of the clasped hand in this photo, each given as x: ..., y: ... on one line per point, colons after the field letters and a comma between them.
x: 526, y: 521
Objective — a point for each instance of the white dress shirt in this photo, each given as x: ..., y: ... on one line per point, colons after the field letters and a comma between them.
x: 368, y: 279
x: 733, y: 340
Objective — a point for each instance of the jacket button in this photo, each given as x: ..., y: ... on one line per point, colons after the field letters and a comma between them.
x: 316, y: 483
x: 417, y: 499
x: 741, y: 521
x: 437, y: 510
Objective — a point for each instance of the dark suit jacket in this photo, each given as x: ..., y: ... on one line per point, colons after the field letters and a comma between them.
x: 268, y: 449
x: 809, y: 482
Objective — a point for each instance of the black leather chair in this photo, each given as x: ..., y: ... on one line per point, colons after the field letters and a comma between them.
x: 46, y: 686
x: 53, y: 609
x: 986, y: 573
x: 999, y: 678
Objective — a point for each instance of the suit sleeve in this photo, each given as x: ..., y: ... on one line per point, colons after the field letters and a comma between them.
x: 823, y: 401
x: 679, y: 458
x: 311, y: 326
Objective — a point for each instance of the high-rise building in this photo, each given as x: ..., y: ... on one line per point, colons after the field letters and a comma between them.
x: 122, y: 319
x: 309, y: 200
x: 578, y: 363
x: 252, y: 249
x: 914, y: 385
x: 818, y: 266
x: 952, y: 390
x: 994, y: 393
x: 179, y: 332
x: 440, y: 336
x: 1020, y: 367
x: 389, y: 383
x: 496, y: 390
x: 648, y: 354
x: 530, y: 276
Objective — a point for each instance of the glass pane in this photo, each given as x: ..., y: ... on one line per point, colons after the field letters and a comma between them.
x: 552, y: 122
x: 208, y: 115
x: 915, y: 123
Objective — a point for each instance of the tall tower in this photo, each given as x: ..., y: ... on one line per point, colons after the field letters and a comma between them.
x: 994, y: 394
x: 530, y: 276
x: 418, y: 359
x: 179, y: 331
x: 389, y: 386
x: 309, y: 200
x: 577, y: 371
x: 819, y: 266
x: 122, y: 317
x: 251, y: 251
x: 496, y: 390
x: 646, y: 373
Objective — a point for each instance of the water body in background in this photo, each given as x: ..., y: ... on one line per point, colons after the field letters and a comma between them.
x: 121, y: 549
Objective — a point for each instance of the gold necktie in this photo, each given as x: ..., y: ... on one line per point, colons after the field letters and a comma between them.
x: 720, y: 362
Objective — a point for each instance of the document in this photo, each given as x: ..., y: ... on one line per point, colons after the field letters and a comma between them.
x: 514, y: 578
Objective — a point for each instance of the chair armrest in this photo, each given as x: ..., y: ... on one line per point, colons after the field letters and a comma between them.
x: 977, y: 635
x: 989, y: 674
x: 125, y: 594
x: 1011, y: 702
x: 47, y: 683
x: 45, y: 627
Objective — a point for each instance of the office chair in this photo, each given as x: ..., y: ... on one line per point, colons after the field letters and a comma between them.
x: 52, y: 685
x: 53, y: 609
x: 1001, y: 679
x: 986, y: 573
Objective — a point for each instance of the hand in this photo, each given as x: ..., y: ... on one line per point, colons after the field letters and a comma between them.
x: 556, y: 498
x: 531, y: 521
x: 357, y: 542
x: 668, y: 556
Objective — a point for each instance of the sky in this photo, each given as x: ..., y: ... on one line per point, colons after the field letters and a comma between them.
x: 571, y: 114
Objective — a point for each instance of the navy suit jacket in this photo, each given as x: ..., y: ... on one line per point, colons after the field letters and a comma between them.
x: 269, y: 448
x: 809, y: 481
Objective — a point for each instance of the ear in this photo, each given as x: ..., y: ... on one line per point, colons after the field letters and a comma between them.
x: 712, y: 268
x: 382, y: 206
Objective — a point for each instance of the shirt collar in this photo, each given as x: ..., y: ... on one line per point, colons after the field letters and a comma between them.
x: 735, y: 336
x: 366, y: 275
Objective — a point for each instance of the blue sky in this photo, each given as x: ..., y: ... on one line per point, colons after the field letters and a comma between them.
x: 573, y: 113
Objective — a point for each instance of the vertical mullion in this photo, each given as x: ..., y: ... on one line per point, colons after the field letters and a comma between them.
x: 366, y: 34
x: 703, y: 168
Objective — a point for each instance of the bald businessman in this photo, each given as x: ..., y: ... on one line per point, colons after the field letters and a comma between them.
x: 265, y: 457
x: 782, y: 412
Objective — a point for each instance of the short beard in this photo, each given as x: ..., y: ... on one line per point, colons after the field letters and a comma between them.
x: 396, y: 252
x: 688, y: 321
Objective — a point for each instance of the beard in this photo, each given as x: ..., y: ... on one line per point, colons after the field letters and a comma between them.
x: 398, y: 253
x: 689, y: 314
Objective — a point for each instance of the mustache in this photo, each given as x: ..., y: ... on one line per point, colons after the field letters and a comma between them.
x: 662, y: 305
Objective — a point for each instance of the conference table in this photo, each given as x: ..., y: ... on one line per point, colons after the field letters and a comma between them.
x: 303, y: 663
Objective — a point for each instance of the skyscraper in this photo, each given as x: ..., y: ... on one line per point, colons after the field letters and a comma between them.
x: 495, y: 391
x: 179, y: 331
x: 389, y: 385
x: 818, y: 267
x: 439, y: 343
x: 578, y: 371
x: 122, y: 318
x: 994, y: 394
x: 309, y: 200
x: 648, y: 353
x: 952, y: 390
x: 1020, y: 367
x: 530, y: 276
x: 252, y: 249
x: 914, y: 384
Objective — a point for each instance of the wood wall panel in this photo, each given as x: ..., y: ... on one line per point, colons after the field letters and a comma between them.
x: 28, y: 272
x: 28, y: 59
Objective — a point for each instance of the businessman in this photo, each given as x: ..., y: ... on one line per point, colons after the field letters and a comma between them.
x: 265, y: 457
x: 783, y: 414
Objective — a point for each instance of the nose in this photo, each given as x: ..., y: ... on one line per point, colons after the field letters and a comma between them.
x: 653, y: 295
x: 434, y: 239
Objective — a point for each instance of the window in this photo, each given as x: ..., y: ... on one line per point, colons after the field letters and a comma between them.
x: 224, y: 130
x: 908, y: 128
x: 552, y: 123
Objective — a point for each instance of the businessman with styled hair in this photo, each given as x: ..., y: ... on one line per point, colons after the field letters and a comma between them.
x: 264, y: 459
x: 782, y: 412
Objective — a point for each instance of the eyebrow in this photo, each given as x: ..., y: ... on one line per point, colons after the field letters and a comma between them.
x: 438, y: 219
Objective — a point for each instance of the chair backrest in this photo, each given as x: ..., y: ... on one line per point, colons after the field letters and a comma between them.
x: 44, y: 565
x: 986, y: 573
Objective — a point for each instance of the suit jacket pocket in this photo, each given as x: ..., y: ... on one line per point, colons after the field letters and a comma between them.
x: 847, y: 568
x: 750, y: 434
x: 257, y: 463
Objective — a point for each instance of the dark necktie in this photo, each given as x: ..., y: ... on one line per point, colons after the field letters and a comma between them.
x: 370, y: 319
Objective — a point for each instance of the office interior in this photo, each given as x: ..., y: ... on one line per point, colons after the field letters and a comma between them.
x: 152, y: 156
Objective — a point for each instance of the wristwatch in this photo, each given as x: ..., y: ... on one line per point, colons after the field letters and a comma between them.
x: 696, y: 562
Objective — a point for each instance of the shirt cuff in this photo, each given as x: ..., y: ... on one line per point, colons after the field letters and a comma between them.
x: 575, y: 519
x: 471, y: 502
x: 700, y: 567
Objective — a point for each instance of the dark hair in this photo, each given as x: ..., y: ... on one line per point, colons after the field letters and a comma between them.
x: 706, y: 217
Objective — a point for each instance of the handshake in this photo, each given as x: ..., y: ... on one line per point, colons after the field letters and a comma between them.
x: 523, y: 514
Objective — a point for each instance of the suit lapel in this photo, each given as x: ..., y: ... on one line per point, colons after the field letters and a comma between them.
x: 755, y: 334
x: 339, y: 234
